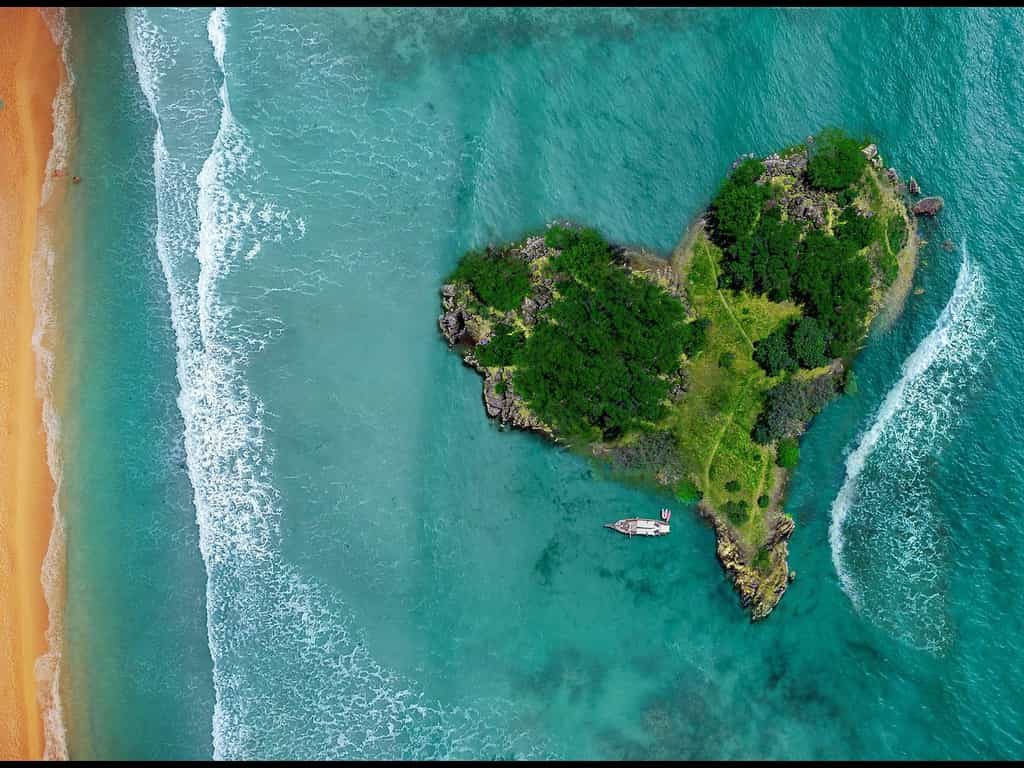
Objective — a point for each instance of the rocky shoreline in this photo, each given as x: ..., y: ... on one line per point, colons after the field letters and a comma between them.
x: 760, y: 592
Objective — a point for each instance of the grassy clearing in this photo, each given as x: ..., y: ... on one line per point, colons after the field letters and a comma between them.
x: 713, y: 422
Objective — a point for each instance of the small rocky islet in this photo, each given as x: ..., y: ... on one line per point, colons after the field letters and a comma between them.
x: 698, y: 373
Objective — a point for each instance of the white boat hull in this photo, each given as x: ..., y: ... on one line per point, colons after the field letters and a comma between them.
x: 639, y: 526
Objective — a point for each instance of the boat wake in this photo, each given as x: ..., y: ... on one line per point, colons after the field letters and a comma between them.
x: 887, y: 532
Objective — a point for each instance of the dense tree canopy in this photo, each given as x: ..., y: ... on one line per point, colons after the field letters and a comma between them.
x: 496, y: 279
x: 833, y: 282
x: 738, y: 203
x: 809, y: 343
x: 773, y: 352
x: 823, y: 267
x: 790, y: 405
x: 502, y: 347
x: 599, y: 357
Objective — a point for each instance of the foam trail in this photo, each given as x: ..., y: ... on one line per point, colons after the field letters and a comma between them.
x: 48, y: 665
x: 896, y: 575
x: 292, y: 678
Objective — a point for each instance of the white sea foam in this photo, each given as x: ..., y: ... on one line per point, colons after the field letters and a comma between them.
x: 48, y: 665
x: 896, y: 576
x: 292, y: 678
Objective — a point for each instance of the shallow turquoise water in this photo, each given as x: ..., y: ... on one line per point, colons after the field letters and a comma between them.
x: 292, y: 530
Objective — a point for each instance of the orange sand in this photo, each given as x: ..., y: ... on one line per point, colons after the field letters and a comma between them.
x: 30, y: 72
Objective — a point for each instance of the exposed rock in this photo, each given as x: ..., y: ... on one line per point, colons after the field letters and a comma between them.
x: 929, y: 206
x: 912, y: 187
x: 453, y: 320
x: 870, y: 151
x: 894, y: 177
x: 540, y: 299
x: 505, y: 405
x: 794, y: 165
x: 808, y: 208
x: 758, y: 591
x: 740, y: 159
x: 534, y: 248
x: 792, y: 576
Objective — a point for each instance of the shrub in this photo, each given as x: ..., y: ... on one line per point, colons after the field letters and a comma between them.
x: 499, y: 280
x: 732, y: 486
x: 649, y: 452
x: 737, y: 512
x: 763, y: 501
x: 896, y: 232
x: 795, y: 149
x: 694, y: 336
x: 836, y: 161
x: 686, y: 491
x: 788, y: 453
x: 726, y: 359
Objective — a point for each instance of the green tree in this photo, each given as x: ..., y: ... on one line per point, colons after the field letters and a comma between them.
x: 747, y: 172
x: 773, y: 352
x: 499, y: 279
x: 736, y: 208
x: 809, y: 343
x: 836, y: 161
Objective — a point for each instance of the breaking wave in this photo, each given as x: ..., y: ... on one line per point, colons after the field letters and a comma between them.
x: 887, y: 533
x: 292, y: 677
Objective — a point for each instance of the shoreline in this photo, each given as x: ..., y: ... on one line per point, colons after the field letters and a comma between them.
x: 31, y: 594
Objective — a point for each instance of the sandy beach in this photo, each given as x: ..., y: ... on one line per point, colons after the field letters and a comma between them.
x: 30, y: 72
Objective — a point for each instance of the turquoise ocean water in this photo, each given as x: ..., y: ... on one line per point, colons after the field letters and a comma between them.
x: 292, y: 531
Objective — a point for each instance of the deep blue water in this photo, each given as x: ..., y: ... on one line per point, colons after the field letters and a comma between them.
x: 292, y: 531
